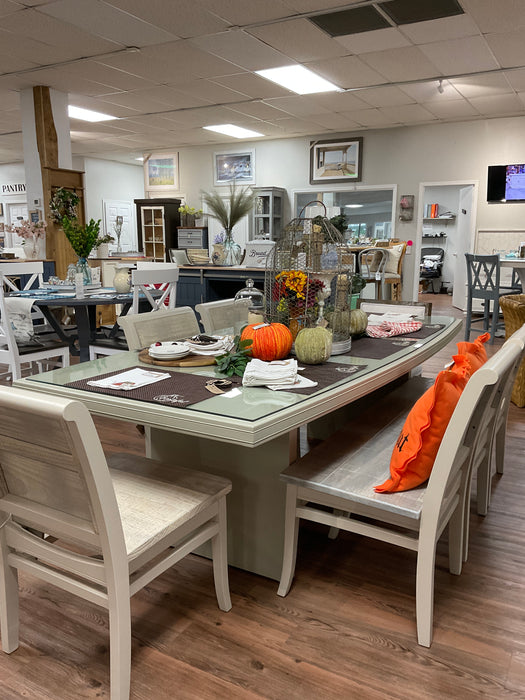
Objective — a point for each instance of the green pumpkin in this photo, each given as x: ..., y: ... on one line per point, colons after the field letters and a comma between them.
x: 358, y: 322
x: 313, y: 345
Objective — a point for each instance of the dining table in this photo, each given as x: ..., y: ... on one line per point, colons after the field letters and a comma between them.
x: 518, y: 265
x: 78, y: 339
x: 246, y: 433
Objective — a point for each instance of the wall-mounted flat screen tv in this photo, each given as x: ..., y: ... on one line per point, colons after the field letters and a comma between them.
x: 506, y: 183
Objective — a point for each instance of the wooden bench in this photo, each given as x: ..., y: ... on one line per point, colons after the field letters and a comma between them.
x: 340, y: 474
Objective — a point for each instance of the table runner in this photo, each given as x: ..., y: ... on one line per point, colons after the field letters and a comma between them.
x: 379, y: 348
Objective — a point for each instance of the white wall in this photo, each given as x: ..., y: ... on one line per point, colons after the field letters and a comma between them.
x: 453, y: 152
x: 11, y: 174
x: 106, y: 179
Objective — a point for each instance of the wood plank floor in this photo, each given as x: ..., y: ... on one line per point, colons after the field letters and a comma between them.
x: 346, y: 629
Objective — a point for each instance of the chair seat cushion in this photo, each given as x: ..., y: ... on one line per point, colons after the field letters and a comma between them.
x: 155, y: 499
x: 418, y: 442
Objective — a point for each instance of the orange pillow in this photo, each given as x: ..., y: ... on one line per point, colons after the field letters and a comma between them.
x: 418, y: 442
x: 476, y: 353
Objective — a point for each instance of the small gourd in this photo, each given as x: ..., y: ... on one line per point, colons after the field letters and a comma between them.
x: 358, y: 322
x: 313, y: 345
x: 271, y: 341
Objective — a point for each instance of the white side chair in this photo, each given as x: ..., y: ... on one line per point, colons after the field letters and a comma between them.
x: 147, y: 277
x: 223, y: 316
x: 372, y: 262
x: 12, y: 273
x: 143, y: 329
x: 109, y: 531
x: 341, y: 474
x: 36, y: 352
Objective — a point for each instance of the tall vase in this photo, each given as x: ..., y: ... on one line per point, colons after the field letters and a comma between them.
x: 83, y: 268
x: 232, y: 251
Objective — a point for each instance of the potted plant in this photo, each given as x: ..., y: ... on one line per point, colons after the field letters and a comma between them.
x: 82, y: 239
x: 229, y: 211
x: 188, y: 215
x: 102, y: 245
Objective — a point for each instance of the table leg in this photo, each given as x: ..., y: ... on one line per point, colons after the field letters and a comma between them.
x: 86, y: 320
x: 255, y: 505
x: 70, y: 339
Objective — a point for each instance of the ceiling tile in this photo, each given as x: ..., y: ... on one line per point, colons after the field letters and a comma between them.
x: 70, y: 40
x: 441, y: 29
x: 347, y: 72
x: 373, y: 118
x: 353, y: 20
x: 10, y: 120
x: 107, y: 22
x: 7, y: 7
x: 408, y: 11
x: 299, y: 39
x: 199, y: 91
x: 59, y: 80
x: 481, y: 85
x: 315, y: 5
x: 428, y: 92
x: 379, y: 40
x: 467, y: 55
x: 341, y: 101
x: 298, y: 105
x: 252, y: 85
x: 336, y: 122
x: 100, y: 105
x: 107, y: 75
x: 401, y: 64
x: 498, y: 104
x: 9, y: 99
x: 177, y: 60
x: 508, y: 47
x: 409, y: 114
x: 516, y: 79
x: 500, y: 16
x: 185, y: 18
x: 29, y: 51
x: 242, y: 50
x: 257, y: 109
x: 385, y: 97
x: 451, y: 109
x: 139, y: 100
x: 240, y: 12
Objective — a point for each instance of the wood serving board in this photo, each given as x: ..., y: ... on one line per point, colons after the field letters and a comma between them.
x: 188, y: 361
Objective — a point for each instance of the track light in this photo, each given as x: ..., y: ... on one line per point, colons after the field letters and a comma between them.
x: 441, y: 89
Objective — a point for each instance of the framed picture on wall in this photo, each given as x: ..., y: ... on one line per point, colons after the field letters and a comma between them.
x: 238, y: 167
x: 161, y: 171
x: 1, y: 209
x: 336, y: 160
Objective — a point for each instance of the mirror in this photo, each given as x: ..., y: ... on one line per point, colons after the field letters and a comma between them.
x: 368, y: 212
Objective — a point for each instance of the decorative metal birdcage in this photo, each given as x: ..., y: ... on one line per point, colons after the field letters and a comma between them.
x: 308, y: 278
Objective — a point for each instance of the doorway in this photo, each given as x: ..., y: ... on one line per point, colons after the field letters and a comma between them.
x: 450, y: 225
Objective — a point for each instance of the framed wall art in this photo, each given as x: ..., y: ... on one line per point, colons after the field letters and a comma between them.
x: 336, y: 160
x: 161, y: 171
x: 238, y: 167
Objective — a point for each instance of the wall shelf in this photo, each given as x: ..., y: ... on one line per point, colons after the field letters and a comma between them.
x: 441, y: 219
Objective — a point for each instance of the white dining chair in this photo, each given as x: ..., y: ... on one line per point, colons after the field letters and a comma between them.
x: 112, y: 524
x: 224, y: 315
x: 339, y: 476
x: 21, y: 347
x: 143, y: 329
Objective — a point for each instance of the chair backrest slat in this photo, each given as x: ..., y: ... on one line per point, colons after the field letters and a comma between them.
x: 174, y: 324
x: 161, y: 275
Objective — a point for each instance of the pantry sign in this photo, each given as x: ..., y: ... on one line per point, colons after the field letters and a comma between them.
x: 13, y: 189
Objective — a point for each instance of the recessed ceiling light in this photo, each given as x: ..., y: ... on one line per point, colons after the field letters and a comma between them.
x: 353, y: 206
x: 231, y: 130
x: 140, y: 158
x: 298, y: 79
x: 88, y: 115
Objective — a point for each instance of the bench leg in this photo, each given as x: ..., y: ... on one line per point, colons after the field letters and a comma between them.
x: 425, y: 592
x: 220, y: 560
x: 291, y: 534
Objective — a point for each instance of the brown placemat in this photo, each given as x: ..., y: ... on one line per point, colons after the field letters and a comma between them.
x: 325, y: 375
x: 179, y: 389
x: 379, y: 348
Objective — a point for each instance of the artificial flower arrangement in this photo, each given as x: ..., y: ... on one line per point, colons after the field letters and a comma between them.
x: 82, y: 238
x: 191, y: 211
x: 63, y: 203
x: 29, y: 230
x: 297, y: 294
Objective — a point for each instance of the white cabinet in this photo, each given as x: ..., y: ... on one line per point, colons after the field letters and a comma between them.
x: 268, y: 212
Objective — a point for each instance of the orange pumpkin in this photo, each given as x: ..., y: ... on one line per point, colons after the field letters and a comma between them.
x: 271, y: 341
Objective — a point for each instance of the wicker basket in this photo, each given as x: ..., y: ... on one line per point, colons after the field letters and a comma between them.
x: 513, y: 307
x: 198, y: 256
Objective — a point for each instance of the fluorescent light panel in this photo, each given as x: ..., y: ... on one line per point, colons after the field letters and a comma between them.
x: 87, y: 115
x: 298, y: 79
x: 231, y: 130
x: 353, y: 206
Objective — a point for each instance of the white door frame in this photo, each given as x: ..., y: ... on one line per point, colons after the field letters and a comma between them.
x: 419, y: 223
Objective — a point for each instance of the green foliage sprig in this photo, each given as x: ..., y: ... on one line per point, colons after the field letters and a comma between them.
x: 235, y: 361
x: 231, y: 210
x: 82, y: 238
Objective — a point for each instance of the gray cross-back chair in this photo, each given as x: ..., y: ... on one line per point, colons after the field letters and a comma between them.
x: 483, y: 282
x: 109, y: 531
x: 340, y: 475
x: 372, y: 263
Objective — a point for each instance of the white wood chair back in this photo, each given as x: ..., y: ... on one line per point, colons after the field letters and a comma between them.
x: 342, y: 473
x: 12, y: 271
x: 223, y: 316
x: 174, y: 324
x: 44, y: 351
x: 136, y: 520
x: 415, y: 308
x: 147, y: 275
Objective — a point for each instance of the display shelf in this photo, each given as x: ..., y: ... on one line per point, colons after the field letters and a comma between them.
x: 268, y: 213
x: 157, y: 220
x: 441, y: 219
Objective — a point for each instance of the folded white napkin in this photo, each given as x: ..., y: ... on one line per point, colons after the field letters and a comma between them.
x: 278, y: 373
x: 223, y: 344
x: 131, y: 379
x: 300, y: 383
